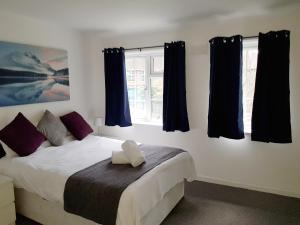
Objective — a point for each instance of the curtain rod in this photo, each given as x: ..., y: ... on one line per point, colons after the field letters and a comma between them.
x: 249, y: 37
x: 161, y: 46
x: 140, y: 48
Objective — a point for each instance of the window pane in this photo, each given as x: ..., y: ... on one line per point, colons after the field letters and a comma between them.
x: 157, y: 64
x: 140, y: 93
x: 156, y: 88
x: 130, y: 76
x: 135, y: 63
x: 140, y: 74
x: 140, y: 110
x: 249, y: 73
x: 135, y: 73
x: 131, y: 94
x: 156, y: 99
x: 156, y: 111
x: 131, y: 106
x: 140, y: 105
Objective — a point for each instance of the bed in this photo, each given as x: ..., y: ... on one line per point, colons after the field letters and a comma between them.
x: 40, y: 180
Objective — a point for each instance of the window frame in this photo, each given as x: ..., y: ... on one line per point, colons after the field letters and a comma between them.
x: 152, y: 64
x: 148, y: 55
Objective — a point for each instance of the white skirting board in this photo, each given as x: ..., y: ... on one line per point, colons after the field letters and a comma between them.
x: 49, y: 213
x: 247, y: 186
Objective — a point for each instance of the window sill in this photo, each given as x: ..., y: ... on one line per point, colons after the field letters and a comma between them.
x: 247, y: 135
x: 147, y: 123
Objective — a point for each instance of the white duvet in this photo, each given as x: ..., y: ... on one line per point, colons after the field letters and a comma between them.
x: 46, y: 171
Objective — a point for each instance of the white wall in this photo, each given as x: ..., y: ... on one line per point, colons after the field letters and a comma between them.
x: 268, y: 167
x: 24, y: 30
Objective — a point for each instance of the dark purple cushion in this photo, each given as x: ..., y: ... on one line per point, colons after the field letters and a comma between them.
x: 75, y: 123
x: 2, y: 152
x: 21, y: 136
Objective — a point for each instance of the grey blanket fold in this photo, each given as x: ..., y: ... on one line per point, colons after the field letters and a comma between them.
x: 94, y: 193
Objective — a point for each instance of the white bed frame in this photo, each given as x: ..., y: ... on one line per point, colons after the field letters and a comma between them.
x: 49, y: 213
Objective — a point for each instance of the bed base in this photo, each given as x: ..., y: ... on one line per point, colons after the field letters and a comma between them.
x: 49, y: 213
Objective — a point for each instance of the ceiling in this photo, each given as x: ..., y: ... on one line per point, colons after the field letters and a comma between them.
x: 108, y: 16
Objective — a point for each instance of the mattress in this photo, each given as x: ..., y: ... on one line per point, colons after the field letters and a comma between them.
x: 46, y: 171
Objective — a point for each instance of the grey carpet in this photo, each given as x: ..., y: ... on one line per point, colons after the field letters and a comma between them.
x: 211, y: 204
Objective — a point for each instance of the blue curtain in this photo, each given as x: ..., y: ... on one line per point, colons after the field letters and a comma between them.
x: 117, y: 110
x: 271, y: 120
x: 225, y: 116
x: 174, y: 98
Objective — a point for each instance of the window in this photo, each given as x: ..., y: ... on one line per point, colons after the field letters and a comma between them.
x: 144, y: 72
x: 250, y: 50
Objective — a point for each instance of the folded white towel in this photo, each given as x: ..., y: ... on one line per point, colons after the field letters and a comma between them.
x: 133, y: 153
x: 119, y: 157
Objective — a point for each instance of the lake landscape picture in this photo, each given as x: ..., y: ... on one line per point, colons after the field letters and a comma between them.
x: 32, y: 74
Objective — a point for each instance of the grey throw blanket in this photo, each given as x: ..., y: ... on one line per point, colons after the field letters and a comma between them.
x: 94, y: 193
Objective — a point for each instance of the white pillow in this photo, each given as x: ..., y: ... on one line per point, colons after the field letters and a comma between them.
x: 9, y: 152
x: 45, y: 144
x: 68, y: 139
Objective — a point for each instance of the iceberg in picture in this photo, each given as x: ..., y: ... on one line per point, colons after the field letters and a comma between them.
x: 32, y: 74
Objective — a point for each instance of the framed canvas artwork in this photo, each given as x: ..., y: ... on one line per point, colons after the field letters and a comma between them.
x: 32, y: 74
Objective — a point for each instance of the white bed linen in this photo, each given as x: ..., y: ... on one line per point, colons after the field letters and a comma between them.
x: 46, y: 171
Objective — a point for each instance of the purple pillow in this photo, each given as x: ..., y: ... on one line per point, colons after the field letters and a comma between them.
x: 21, y: 136
x: 75, y: 123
